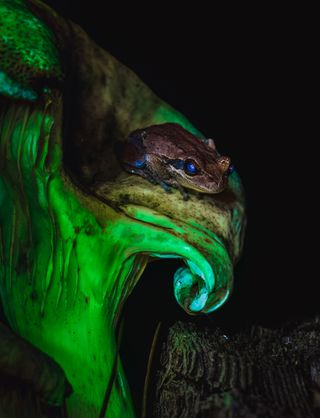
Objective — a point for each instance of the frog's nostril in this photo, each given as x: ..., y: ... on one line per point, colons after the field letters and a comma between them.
x: 224, y: 163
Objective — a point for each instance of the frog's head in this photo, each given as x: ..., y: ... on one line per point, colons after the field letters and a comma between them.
x: 199, y: 165
x: 192, y: 162
x: 203, y: 173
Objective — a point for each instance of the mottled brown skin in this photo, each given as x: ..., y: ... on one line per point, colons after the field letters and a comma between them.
x: 160, y: 153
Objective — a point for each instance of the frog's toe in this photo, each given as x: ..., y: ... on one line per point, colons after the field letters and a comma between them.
x: 185, y: 196
x: 165, y: 187
x: 152, y: 180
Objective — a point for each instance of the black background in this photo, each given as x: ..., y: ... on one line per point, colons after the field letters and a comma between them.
x: 244, y: 77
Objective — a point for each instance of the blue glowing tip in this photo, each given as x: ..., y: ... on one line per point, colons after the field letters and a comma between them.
x: 231, y: 169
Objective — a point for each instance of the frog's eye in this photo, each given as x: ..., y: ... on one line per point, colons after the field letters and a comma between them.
x: 139, y: 163
x: 190, y: 167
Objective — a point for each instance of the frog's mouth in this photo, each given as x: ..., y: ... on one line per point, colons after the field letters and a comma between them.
x: 207, y: 183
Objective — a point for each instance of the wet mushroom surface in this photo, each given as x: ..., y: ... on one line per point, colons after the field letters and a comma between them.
x: 82, y: 240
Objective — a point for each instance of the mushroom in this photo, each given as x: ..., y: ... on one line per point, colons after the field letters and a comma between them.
x: 76, y: 231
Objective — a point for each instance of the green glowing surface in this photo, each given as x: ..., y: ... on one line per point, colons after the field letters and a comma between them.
x: 62, y: 295
x: 27, y: 51
x: 11, y: 89
x: 68, y: 261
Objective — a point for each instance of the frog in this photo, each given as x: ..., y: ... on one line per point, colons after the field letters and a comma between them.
x: 170, y: 156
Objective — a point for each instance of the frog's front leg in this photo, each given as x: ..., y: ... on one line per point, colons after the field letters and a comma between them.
x: 154, y: 168
x: 155, y: 179
x: 181, y: 189
x: 148, y: 174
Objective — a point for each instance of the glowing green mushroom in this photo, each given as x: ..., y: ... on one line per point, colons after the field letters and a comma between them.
x: 71, y: 252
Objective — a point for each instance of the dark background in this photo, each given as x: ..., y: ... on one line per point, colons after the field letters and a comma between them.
x: 244, y: 77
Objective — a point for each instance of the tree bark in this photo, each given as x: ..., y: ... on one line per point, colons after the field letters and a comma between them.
x: 251, y: 373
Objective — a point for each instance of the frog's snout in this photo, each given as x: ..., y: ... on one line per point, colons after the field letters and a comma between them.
x: 224, y: 163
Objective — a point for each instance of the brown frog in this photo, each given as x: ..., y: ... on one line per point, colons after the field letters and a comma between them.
x: 170, y: 156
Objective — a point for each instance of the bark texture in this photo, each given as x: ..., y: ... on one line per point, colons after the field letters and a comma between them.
x: 252, y: 373
x: 204, y: 373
